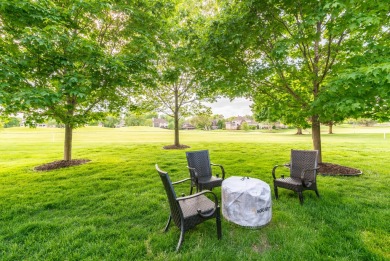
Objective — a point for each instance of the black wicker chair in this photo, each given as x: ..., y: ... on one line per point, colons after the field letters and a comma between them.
x: 303, y: 173
x: 187, y: 212
x: 200, y: 169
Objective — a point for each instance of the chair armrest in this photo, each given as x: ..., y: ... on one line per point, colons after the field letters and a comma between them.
x: 287, y: 165
x: 274, y: 170
x: 193, y: 172
x: 199, y: 194
x: 180, y: 181
x: 222, y: 169
x: 303, y: 176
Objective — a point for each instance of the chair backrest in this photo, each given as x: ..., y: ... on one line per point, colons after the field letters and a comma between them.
x: 303, y: 159
x: 199, y: 160
x: 176, y: 212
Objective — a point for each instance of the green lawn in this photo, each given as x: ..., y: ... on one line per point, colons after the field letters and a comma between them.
x: 114, y: 207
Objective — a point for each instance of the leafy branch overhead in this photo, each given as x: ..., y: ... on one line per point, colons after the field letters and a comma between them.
x: 284, y: 55
x: 75, y: 61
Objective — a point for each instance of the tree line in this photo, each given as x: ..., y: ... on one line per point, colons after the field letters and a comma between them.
x: 305, y: 63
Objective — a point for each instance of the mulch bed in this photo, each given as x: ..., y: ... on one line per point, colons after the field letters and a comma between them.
x: 174, y: 147
x: 61, y: 164
x: 330, y: 169
x: 327, y: 169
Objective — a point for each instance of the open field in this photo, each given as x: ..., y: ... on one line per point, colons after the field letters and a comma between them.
x: 115, y: 208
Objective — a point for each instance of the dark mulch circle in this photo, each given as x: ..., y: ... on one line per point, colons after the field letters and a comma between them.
x: 330, y: 169
x: 61, y: 164
x: 174, y: 147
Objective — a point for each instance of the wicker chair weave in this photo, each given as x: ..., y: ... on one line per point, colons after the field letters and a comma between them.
x: 187, y: 212
x: 289, y: 183
x: 303, y: 173
x: 201, y: 171
x: 303, y: 160
x: 200, y: 161
x: 210, y: 182
x: 190, y: 208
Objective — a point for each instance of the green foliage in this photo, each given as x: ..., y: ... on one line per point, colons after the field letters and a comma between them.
x: 12, y: 122
x: 360, y: 92
x: 74, y: 61
x: 285, y: 54
x: 111, y: 121
x: 71, y: 60
x: 245, y: 126
x: 132, y: 119
x: 202, y: 121
x: 176, y: 87
x: 115, y: 208
x: 221, y: 124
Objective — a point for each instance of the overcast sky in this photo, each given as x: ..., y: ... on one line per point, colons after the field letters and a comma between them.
x: 237, y: 107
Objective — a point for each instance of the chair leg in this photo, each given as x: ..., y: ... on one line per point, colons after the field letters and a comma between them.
x: 191, y: 190
x: 169, y: 222
x: 180, y: 239
x: 318, y: 195
x: 218, y: 221
x: 276, y: 192
x: 300, y: 197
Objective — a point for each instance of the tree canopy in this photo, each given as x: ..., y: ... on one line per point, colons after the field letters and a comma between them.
x: 288, y: 52
x: 175, y: 91
x: 299, y: 61
x: 72, y: 61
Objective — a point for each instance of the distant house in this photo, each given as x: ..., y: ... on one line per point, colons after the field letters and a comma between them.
x: 214, y: 125
x: 160, y: 123
x: 188, y: 126
x: 236, y: 123
x: 120, y: 124
x: 274, y: 125
x: 252, y: 123
x: 279, y: 125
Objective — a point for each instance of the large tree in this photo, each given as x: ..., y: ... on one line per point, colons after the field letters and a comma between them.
x: 178, y: 99
x: 176, y: 87
x: 289, y: 48
x: 72, y: 61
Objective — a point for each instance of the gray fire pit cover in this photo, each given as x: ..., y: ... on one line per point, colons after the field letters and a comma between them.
x: 246, y: 201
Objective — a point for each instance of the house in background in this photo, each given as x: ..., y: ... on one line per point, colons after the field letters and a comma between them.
x: 187, y: 126
x: 272, y: 125
x: 236, y: 123
x: 160, y: 123
x: 214, y: 125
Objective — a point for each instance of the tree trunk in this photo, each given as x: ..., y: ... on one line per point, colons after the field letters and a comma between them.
x: 316, y: 126
x: 176, y: 118
x: 68, y: 142
x: 299, y: 131
x: 316, y: 136
x: 330, y: 128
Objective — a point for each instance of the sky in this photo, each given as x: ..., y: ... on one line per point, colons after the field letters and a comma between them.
x: 236, y: 107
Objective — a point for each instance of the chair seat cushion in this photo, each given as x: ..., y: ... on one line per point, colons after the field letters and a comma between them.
x: 201, y: 202
x: 288, y: 183
x: 209, y: 182
x: 190, y: 210
x: 289, y: 180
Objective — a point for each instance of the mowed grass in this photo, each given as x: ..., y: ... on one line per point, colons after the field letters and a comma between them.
x: 115, y: 208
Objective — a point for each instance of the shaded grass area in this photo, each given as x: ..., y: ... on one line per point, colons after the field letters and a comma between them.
x: 114, y: 207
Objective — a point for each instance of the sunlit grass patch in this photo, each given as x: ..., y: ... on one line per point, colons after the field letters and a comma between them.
x: 114, y: 207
